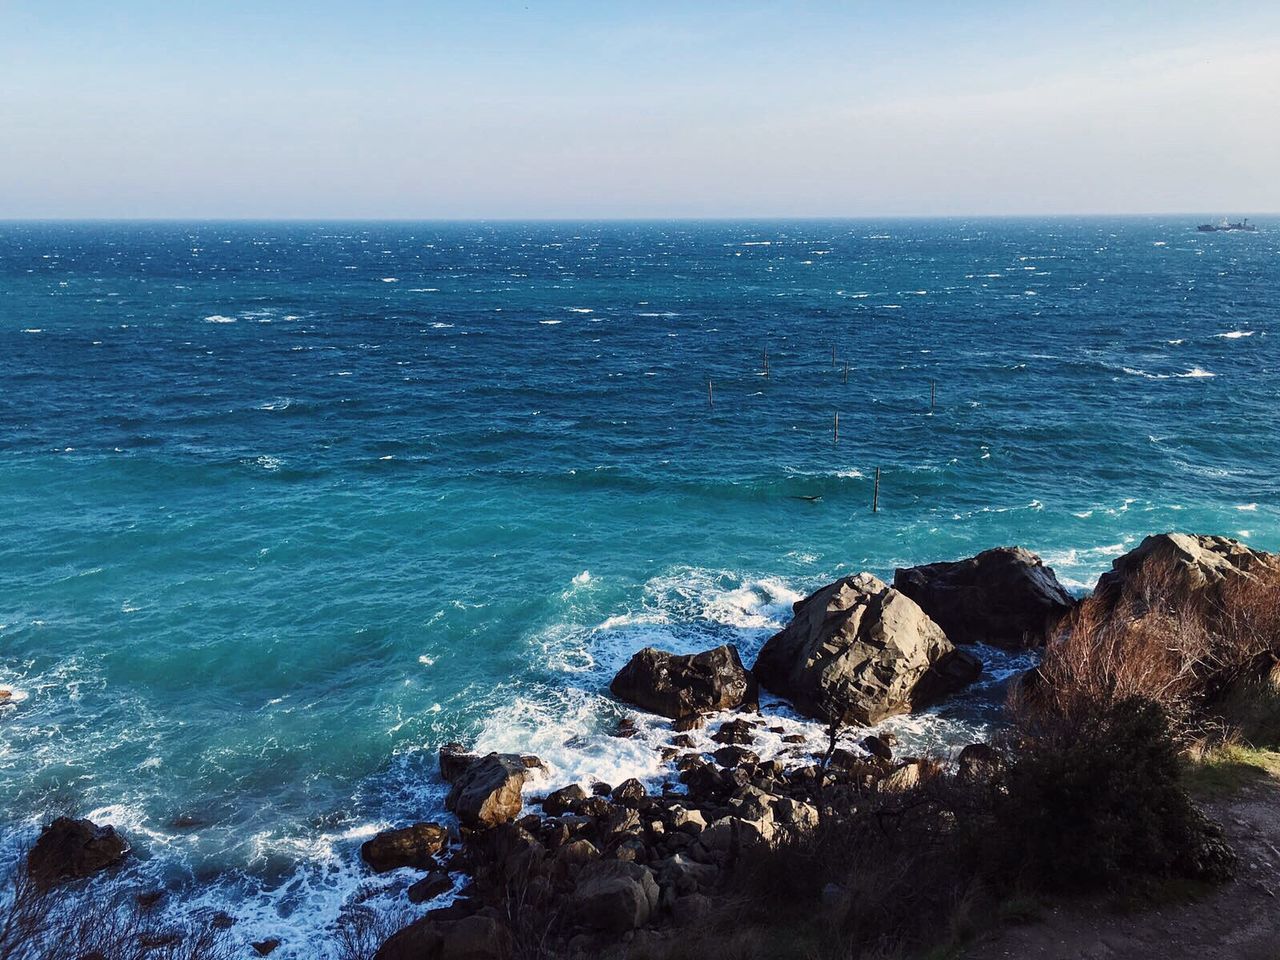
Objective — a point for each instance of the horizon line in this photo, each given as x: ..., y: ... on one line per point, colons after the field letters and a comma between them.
x: 713, y: 218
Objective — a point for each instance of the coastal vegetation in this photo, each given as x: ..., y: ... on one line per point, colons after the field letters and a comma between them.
x: 1160, y: 689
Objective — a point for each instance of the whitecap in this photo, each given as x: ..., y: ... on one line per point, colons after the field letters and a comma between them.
x: 390, y: 279
x: 219, y: 318
x: 1248, y: 507
x: 550, y: 323
x: 1235, y: 334
x: 583, y: 578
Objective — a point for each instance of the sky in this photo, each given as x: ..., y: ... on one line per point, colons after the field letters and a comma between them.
x: 396, y: 109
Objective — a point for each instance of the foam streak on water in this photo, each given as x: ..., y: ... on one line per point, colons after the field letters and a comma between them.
x: 284, y: 515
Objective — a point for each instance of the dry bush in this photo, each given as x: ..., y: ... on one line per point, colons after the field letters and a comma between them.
x: 1157, y: 643
x: 84, y: 922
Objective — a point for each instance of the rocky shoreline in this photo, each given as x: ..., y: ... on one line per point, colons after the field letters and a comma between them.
x: 599, y: 867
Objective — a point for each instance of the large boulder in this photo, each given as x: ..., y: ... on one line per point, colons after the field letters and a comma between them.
x: 679, y: 686
x: 413, y: 846
x: 1006, y: 597
x: 489, y: 792
x: 470, y: 938
x: 1174, y: 568
x: 70, y: 849
x: 858, y: 651
x: 614, y: 896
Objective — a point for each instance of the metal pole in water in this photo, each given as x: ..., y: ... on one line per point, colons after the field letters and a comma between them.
x: 835, y: 428
x: 711, y: 400
x: 875, y: 496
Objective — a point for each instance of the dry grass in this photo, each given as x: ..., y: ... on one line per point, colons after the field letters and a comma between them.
x: 1185, y: 652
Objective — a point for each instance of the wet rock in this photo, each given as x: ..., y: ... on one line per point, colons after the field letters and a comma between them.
x: 877, y: 747
x: 735, y: 756
x: 734, y: 731
x: 454, y: 761
x: 1006, y: 597
x: 264, y: 948
x: 70, y: 849
x: 488, y: 793
x: 563, y: 800
x: 601, y: 789
x: 858, y: 651
x: 414, y: 846
x: 430, y: 887
x: 629, y: 792
x: 684, y: 741
x: 678, y: 686
x: 684, y: 724
x: 614, y: 896
x: 626, y: 729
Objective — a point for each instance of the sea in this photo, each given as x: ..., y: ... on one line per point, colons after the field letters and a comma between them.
x: 284, y: 507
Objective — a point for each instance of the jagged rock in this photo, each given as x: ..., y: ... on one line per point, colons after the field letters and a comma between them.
x: 686, y: 875
x: 904, y: 778
x: 734, y: 731
x: 795, y: 813
x: 614, y: 896
x: 454, y: 760
x: 413, y: 846
x: 489, y: 792
x: 1006, y: 597
x: 688, y: 821
x: 693, y: 722
x: 628, y: 792
x: 264, y: 948
x: 681, y: 686
x: 70, y: 849
x: 578, y: 851
x: 601, y: 789
x: 878, y: 747
x: 858, y: 651
x: 430, y: 887
x: 1176, y: 568
x: 563, y: 800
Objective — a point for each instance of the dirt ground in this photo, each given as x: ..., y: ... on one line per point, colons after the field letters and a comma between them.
x: 1239, y: 921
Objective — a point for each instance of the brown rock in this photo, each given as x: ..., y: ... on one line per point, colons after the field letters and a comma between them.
x: 680, y: 686
x: 489, y: 792
x: 72, y: 849
x: 413, y: 846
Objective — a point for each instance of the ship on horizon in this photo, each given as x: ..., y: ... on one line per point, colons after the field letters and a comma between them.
x: 1223, y: 226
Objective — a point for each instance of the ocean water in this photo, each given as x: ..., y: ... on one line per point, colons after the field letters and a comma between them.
x: 283, y: 507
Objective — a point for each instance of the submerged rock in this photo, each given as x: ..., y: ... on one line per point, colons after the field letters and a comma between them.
x: 414, y: 846
x: 70, y: 849
x: 490, y: 791
x: 858, y: 651
x: 680, y: 686
x: 1006, y: 597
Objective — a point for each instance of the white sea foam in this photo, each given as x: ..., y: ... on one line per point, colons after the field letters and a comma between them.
x: 550, y: 323
x: 219, y: 318
x: 1248, y: 507
x: 390, y: 279
x: 1235, y: 334
x: 581, y: 310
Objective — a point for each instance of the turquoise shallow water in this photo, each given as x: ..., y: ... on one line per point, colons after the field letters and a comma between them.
x: 285, y: 506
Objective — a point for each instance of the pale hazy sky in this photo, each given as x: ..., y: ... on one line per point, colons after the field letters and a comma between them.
x: 653, y: 109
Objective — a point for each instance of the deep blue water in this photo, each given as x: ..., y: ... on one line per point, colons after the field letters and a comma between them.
x: 285, y: 506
